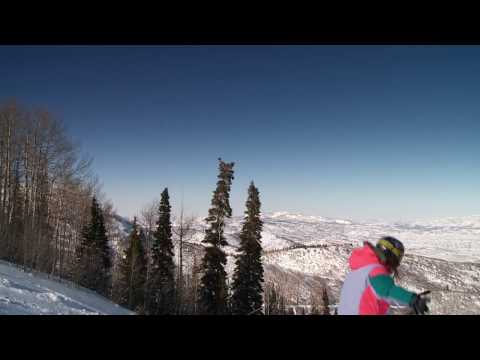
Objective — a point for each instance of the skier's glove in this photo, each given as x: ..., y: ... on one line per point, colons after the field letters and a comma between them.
x: 419, y: 303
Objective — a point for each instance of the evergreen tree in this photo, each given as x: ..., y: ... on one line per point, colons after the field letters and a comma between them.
x: 326, y: 302
x: 213, y: 289
x: 248, y: 275
x: 93, y: 253
x: 132, y: 268
x: 162, y: 287
x: 315, y: 306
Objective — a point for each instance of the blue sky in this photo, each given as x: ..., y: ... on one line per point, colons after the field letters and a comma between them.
x: 361, y: 132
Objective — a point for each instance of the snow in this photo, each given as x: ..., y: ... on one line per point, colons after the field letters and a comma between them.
x: 442, y: 255
x: 24, y: 293
x: 451, y: 239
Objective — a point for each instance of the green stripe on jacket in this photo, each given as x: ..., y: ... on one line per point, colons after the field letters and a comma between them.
x: 386, y: 289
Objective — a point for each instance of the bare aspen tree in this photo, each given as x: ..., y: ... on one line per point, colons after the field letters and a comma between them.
x: 183, y: 231
x: 45, y: 191
x: 148, y: 219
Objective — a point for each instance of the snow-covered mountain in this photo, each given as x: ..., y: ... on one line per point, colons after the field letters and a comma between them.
x: 451, y: 239
x: 25, y: 293
x: 442, y: 255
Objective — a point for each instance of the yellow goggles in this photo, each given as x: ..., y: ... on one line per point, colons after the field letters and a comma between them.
x: 393, y: 249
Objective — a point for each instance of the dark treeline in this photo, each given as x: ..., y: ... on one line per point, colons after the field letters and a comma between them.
x: 53, y: 220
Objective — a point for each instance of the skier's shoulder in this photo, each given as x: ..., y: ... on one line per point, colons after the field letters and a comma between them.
x: 379, y: 270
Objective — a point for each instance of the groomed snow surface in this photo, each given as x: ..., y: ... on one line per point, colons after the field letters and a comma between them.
x: 24, y: 293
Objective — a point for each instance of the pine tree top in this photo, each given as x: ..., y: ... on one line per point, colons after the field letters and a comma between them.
x: 164, y: 210
x: 163, y: 233
x: 253, y: 203
x: 220, y: 205
x: 135, y: 240
x: 220, y: 200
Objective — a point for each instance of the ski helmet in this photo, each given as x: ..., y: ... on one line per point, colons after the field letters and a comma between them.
x: 392, y: 249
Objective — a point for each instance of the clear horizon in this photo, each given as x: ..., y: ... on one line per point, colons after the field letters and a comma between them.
x: 358, y: 132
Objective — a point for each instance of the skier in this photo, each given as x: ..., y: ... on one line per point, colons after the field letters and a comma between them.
x: 369, y: 288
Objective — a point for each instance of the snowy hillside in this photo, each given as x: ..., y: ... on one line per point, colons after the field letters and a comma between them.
x: 23, y: 293
x: 455, y: 286
x: 443, y: 255
x: 451, y: 239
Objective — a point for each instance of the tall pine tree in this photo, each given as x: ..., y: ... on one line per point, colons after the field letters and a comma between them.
x: 326, y: 302
x: 248, y: 276
x: 213, y: 289
x: 162, y: 284
x: 93, y: 253
x: 133, y: 271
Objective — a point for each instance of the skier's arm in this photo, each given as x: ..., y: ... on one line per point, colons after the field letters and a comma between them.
x: 386, y: 289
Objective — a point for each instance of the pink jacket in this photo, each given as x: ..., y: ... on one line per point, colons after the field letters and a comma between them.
x: 369, y: 288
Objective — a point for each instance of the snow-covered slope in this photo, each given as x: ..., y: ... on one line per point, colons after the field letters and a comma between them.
x: 24, y: 293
